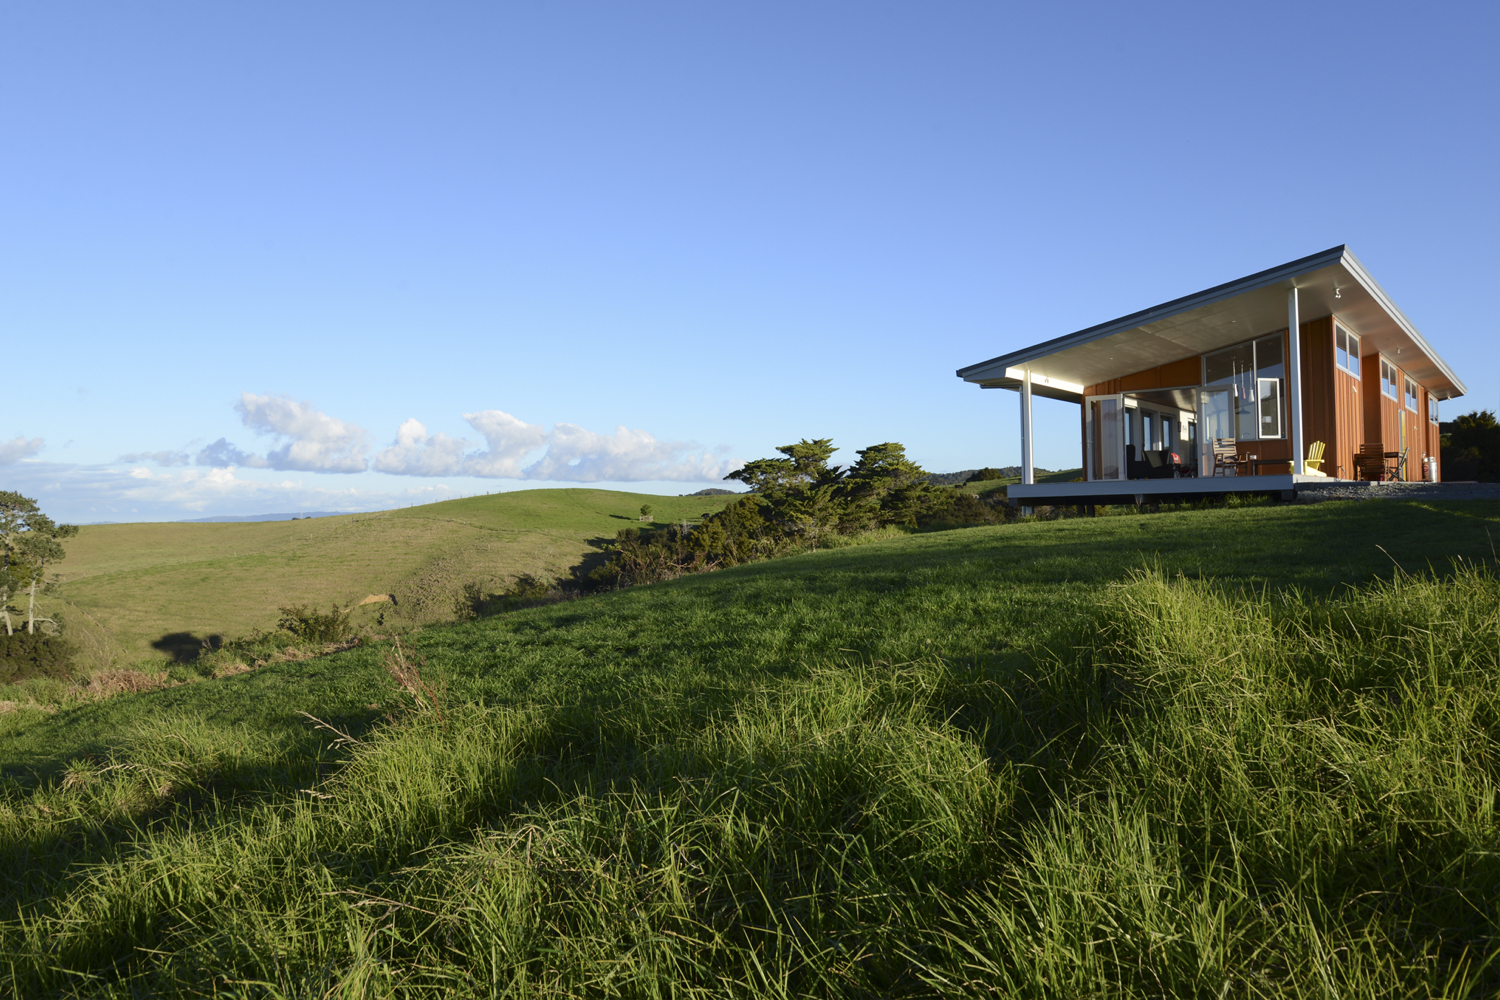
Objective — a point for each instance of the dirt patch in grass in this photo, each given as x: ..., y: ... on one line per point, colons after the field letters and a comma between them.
x: 108, y: 683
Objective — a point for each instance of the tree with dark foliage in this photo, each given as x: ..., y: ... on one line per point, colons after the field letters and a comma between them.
x: 29, y: 539
x: 796, y: 501
x: 1471, y: 447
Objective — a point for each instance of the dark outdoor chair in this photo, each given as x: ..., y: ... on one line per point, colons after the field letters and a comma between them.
x: 1171, y: 464
x: 1163, y: 464
x: 1135, y: 467
x: 1371, y: 463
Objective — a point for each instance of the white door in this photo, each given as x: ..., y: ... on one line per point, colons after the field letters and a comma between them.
x: 1104, y: 417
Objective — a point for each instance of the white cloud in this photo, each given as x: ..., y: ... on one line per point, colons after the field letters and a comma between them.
x: 572, y: 454
x: 18, y: 448
x: 222, y: 454
x: 316, y: 442
x: 509, y: 440
x: 581, y: 456
x: 313, y: 441
x: 417, y: 453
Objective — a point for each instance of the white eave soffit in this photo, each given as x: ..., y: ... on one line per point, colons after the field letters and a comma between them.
x: 1219, y: 317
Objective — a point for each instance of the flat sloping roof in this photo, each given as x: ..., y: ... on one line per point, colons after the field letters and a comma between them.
x: 1329, y: 283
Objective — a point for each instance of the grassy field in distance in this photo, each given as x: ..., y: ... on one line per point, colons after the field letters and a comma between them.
x: 1196, y: 753
x: 127, y: 586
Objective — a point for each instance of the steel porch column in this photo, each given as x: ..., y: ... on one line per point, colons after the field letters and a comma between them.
x: 1294, y: 381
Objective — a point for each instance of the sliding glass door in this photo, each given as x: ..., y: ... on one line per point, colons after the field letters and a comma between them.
x: 1106, y: 436
x: 1215, y: 420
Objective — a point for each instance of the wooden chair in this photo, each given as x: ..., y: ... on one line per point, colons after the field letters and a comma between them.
x: 1371, y: 462
x: 1225, y: 456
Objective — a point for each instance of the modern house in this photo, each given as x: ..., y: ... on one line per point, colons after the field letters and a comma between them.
x: 1226, y: 390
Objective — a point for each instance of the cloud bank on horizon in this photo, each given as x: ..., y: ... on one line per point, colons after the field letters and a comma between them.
x: 304, y: 439
x: 312, y: 441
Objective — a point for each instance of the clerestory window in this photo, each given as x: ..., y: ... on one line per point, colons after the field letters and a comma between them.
x: 1388, y: 379
x: 1346, y: 350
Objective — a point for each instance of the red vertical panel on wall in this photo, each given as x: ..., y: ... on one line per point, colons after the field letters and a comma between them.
x: 1350, y: 418
x: 1390, y: 416
x: 1318, y: 418
x: 1369, y: 410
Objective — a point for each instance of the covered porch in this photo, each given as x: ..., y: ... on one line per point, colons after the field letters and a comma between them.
x: 1230, y: 390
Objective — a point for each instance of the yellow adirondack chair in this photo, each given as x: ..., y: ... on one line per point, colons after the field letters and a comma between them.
x: 1314, y: 461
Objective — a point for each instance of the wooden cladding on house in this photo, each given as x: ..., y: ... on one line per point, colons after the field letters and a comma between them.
x: 1339, y: 409
x: 1188, y: 371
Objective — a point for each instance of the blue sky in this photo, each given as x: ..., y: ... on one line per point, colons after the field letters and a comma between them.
x: 457, y: 248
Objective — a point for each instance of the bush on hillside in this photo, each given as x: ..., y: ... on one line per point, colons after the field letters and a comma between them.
x: 796, y: 502
x: 312, y: 625
x: 526, y: 591
x: 31, y: 654
x: 1471, y: 447
x: 968, y: 509
x: 985, y: 475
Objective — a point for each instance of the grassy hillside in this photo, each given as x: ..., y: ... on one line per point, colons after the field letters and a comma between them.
x: 996, y: 761
x: 127, y: 586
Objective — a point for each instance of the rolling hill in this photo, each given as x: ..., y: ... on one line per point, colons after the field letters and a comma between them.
x: 137, y: 591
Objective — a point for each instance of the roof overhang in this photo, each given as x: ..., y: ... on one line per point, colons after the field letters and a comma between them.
x: 1329, y: 283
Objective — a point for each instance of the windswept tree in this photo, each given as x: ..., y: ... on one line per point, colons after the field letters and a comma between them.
x: 795, y: 501
x: 29, y: 540
x: 805, y: 464
x: 889, y: 488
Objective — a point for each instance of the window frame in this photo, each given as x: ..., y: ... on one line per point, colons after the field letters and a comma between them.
x: 1432, y: 409
x: 1412, y: 393
x: 1351, y: 363
x: 1254, y: 378
x: 1388, y: 386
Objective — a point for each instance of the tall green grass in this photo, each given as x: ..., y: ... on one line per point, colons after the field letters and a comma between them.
x: 1195, y: 792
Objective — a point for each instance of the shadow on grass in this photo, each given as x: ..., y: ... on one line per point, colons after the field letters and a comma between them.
x: 185, y: 647
x: 37, y: 866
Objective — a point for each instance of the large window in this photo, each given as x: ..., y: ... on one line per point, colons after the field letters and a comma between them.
x: 1255, y: 375
x: 1346, y: 350
x: 1411, y: 395
x: 1432, y: 408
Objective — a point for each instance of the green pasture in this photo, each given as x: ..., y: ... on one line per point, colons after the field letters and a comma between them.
x: 1215, y: 753
x: 990, y: 485
x: 126, y: 587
